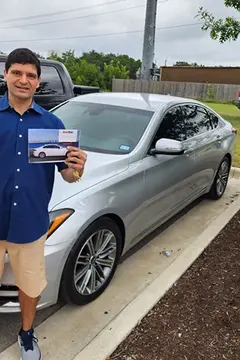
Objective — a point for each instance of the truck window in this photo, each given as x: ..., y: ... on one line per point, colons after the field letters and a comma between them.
x: 3, y: 86
x: 51, y: 83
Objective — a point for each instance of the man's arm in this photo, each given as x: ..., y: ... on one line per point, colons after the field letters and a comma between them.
x: 75, y: 161
x: 68, y: 175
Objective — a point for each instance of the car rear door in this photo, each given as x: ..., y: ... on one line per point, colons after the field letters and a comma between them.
x: 169, y: 179
x: 203, y: 139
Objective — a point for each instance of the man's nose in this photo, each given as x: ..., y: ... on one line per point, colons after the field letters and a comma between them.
x: 23, y: 79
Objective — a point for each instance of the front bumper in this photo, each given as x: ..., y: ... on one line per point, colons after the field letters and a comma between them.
x: 55, y: 257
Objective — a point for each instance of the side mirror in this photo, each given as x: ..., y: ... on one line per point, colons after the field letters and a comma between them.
x: 168, y: 147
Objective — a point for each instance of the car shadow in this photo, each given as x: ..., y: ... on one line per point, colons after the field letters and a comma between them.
x: 159, y: 230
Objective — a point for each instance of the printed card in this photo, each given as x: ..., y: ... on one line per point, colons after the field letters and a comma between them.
x: 50, y: 145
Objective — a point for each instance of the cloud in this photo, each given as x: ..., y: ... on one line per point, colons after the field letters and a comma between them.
x: 188, y: 43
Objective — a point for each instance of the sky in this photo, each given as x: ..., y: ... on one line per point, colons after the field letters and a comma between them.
x: 58, y: 25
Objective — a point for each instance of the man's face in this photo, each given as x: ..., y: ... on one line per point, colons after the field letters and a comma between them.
x: 22, y: 80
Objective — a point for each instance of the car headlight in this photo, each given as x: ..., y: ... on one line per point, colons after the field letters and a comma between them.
x: 57, y: 218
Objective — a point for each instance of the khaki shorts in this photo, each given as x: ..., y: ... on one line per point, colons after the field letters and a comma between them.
x: 27, y: 264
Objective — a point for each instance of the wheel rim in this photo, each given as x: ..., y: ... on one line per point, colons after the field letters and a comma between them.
x: 95, y: 262
x: 222, y: 177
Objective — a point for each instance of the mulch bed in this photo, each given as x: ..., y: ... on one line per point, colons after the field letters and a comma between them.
x: 199, y: 317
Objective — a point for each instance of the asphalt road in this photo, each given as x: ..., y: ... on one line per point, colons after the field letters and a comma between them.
x: 47, y: 159
x: 10, y: 324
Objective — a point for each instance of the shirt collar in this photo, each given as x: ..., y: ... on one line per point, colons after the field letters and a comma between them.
x: 4, y: 104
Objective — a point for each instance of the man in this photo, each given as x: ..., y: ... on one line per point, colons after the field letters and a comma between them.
x: 26, y: 189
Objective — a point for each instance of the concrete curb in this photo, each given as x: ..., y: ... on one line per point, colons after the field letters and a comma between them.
x: 120, y: 327
x: 235, y: 173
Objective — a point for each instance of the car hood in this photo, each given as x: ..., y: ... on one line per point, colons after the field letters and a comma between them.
x: 98, y: 168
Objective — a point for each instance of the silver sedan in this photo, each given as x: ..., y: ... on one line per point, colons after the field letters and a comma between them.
x: 149, y: 156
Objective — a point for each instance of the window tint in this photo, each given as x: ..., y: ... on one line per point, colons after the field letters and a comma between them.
x: 50, y: 82
x: 51, y: 147
x: 213, y: 120
x: 172, y: 126
x: 197, y: 120
x: 3, y: 86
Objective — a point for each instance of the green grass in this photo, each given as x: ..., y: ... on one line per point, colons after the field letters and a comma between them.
x: 231, y: 113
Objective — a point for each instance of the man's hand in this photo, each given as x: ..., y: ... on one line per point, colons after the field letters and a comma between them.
x: 75, y: 161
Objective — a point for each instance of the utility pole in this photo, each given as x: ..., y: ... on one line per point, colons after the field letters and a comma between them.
x: 149, y: 39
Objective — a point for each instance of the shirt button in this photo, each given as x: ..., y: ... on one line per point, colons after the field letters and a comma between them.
x: 15, y: 204
x: 20, y: 135
x: 18, y: 170
x: 19, y: 153
x: 16, y: 187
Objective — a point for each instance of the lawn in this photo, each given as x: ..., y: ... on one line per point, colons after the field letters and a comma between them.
x: 232, y: 114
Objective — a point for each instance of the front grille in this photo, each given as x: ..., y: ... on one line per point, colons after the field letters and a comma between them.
x: 8, y: 293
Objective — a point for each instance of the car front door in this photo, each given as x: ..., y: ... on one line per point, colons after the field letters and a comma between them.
x: 49, y: 150
x: 169, y: 179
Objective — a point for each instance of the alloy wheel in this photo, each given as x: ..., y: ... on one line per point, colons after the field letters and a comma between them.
x: 222, y: 178
x: 95, y: 262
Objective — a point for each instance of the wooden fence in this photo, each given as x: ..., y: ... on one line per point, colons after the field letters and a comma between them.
x: 219, y: 92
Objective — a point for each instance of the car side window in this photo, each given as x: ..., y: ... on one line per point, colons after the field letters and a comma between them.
x: 3, y: 86
x: 172, y: 126
x: 214, y: 120
x: 196, y: 120
x: 51, y: 83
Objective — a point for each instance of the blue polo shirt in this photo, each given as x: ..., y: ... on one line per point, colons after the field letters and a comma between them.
x: 25, y: 188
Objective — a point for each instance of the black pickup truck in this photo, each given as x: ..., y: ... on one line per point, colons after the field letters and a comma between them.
x: 56, y: 84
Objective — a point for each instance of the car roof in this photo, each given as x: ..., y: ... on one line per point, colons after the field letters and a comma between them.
x: 141, y: 101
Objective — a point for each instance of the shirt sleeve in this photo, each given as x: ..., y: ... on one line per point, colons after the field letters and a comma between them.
x: 59, y: 125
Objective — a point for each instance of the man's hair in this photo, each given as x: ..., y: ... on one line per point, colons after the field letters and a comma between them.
x: 23, y: 56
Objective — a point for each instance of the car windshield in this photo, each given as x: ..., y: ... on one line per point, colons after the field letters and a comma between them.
x: 105, y: 128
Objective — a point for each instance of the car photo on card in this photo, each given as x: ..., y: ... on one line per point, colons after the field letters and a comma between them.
x: 51, y: 145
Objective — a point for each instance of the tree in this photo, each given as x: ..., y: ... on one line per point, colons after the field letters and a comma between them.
x: 90, y: 69
x: 100, y: 59
x: 39, y: 56
x: 185, y: 63
x: 114, y: 71
x: 222, y: 29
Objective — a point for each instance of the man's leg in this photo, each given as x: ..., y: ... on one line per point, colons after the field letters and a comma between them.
x: 28, y: 307
x: 27, y: 262
x: 2, y: 257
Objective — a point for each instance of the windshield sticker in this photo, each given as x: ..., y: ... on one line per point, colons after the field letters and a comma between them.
x: 125, y: 147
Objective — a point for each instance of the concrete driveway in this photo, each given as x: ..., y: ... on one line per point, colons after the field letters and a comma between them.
x: 70, y: 329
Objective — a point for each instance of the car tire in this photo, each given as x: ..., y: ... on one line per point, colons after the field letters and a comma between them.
x: 68, y: 292
x: 222, y: 175
x: 66, y: 155
x: 42, y: 155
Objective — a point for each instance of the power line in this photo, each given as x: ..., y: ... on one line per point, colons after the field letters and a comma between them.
x: 98, y: 35
x: 63, y: 11
x: 75, y: 18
